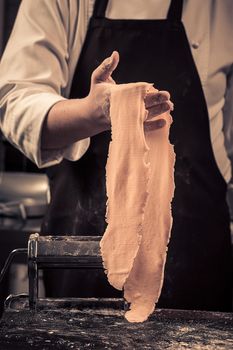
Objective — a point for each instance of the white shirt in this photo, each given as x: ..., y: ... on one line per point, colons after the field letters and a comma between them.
x: 39, y: 61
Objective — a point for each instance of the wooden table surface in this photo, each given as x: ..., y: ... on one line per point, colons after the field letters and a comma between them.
x: 100, y: 324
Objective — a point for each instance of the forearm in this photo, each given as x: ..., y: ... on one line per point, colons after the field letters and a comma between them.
x: 69, y: 121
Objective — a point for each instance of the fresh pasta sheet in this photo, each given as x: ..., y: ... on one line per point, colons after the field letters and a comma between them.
x: 140, y: 187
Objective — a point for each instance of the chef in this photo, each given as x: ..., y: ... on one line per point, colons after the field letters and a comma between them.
x: 54, y: 96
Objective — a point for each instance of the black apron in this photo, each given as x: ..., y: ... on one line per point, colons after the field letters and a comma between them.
x: 198, y: 268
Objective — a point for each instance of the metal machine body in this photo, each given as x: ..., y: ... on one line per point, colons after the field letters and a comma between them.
x: 60, y: 252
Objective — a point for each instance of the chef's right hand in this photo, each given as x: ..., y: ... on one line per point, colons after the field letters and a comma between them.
x: 98, y: 103
x: 71, y: 120
x: 156, y: 103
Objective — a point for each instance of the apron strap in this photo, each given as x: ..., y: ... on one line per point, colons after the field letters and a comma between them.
x: 175, y: 11
x: 100, y: 8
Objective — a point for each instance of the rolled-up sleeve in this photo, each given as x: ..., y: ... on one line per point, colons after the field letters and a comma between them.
x: 34, y: 74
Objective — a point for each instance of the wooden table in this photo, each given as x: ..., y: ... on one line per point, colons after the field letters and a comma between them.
x: 100, y: 324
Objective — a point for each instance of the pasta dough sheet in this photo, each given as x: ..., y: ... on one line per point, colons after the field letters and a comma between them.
x: 140, y: 187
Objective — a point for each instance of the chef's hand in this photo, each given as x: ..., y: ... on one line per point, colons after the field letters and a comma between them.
x: 98, y: 98
x: 156, y: 102
x: 71, y: 120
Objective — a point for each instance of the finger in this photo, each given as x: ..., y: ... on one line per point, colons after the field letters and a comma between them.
x: 159, y: 109
x: 154, y: 125
x: 153, y: 98
x: 103, y: 72
x: 110, y: 80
